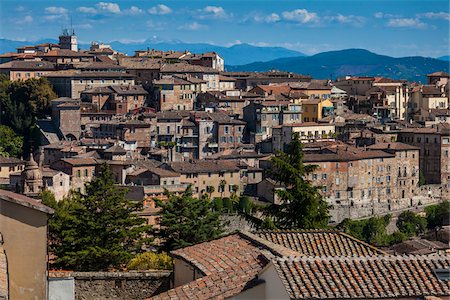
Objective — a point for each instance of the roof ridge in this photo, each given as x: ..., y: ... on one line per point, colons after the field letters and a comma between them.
x: 276, y: 249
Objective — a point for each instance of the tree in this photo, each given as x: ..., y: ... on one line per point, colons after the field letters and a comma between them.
x: 187, y: 221
x: 411, y: 224
x: 97, y: 230
x: 21, y: 102
x: 302, y: 206
x: 438, y: 215
x: 11, y: 144
x: 422, y: 179
x: 210, y: 189
x: 222, y: 185
x: 372, y: 230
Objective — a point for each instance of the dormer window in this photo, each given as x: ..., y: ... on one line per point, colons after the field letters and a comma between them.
x: 442, y: 274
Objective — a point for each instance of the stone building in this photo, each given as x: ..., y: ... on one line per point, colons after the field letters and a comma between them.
x: 70, y: 83
x: 308, y: 132
x: 174, y: 93
x: 379, y: 179
x: 247, y: 80
x: 201, y: 174
x: 66, y: 118
x: 261, y: 117
x: 23, y: 70
x: 120, y: 99
x: 434, y: 145
x: 9, y: 165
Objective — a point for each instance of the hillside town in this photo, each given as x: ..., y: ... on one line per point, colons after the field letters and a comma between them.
x: 163, y: 122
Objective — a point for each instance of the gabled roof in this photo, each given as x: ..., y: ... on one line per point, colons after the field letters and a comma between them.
x: 202, y: 166
x: 24, y: 201
x: 230, y: 264
x: 11, y: 161
x: 30, y: 65
x: 441, y: 74
x: 116, y: 149
x: 362, y: 277
x: 320, y: 242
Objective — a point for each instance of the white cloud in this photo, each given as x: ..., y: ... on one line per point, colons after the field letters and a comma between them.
x: 133, y: 10
x: 406, y: 23
x: 55, y: 17
x: 212, y: 12
x: 155, y: 25
x: 20, y: 8
x: 272, y: 18
x: 56, y: 10
x: 25, y: 20
x: 382, y: 15
x: 87, y: 10
x: 109, y: 7
x: 160, y: 9
x: 301, y: 16
x: 193, y: 26
x: 433, y: 15
x: 350, y: 19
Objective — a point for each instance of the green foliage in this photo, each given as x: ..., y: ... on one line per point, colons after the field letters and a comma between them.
x: 245, y: 205
x: 22, y: 102
x: 268, y: 224
x: 218, y: 204
x: 47, y: 198
x: 151, y: 261
x: 11, y: 144
x: 302, y: 206
x: 187, y: 221
x: 422, y: 180
x: 411, y: 224
x: 227, y: 204
x: 372, y: 230
x: 98, y: 230
x: 438, y: 215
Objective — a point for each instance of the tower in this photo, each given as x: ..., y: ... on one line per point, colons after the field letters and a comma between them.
x: 31, y: 178
x: 68, y: 40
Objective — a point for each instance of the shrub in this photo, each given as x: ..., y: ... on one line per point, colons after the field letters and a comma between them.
x: 151, y: 261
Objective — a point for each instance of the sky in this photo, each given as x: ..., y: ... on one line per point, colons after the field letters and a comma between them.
x: 396, y: 28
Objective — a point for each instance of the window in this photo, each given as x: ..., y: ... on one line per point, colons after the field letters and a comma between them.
x: 324, y: 176
x: 338, y: 195
x: 85, y: 172
x: 78, y: 173
x: 226, y: 130
x: 314, y: 176
x: 338, y: 180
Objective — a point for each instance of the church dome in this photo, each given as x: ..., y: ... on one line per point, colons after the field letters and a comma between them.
x: 31, y: 171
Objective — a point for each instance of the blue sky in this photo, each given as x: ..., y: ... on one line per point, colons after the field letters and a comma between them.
x: 396, y: 28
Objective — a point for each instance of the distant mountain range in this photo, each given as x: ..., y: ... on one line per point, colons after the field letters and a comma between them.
x: 235, y: 55
x: 446, y: 58
x: 352, y: 62
x: 245, y: 57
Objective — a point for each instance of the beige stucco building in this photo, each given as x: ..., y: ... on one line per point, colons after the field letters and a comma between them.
x: 23, y: 225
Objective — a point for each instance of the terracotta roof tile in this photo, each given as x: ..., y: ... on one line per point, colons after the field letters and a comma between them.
x: 363, y: 277
x: 320, y: 242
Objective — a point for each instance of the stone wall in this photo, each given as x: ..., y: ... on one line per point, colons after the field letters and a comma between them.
x: 424, y: 195
x: 116, y: 285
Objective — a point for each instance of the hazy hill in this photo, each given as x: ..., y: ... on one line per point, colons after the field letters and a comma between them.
x: 234, y: 55
x: 333, y: 64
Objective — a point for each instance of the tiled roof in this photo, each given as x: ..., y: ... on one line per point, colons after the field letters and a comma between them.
x: 443, y: 74
x: 319, y: 242
x: 393, y: 146
x: 28, y: 65
x: 362, y: 277
x: 24, y: 201
x: 10, y: 161
x: 228, y: 263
